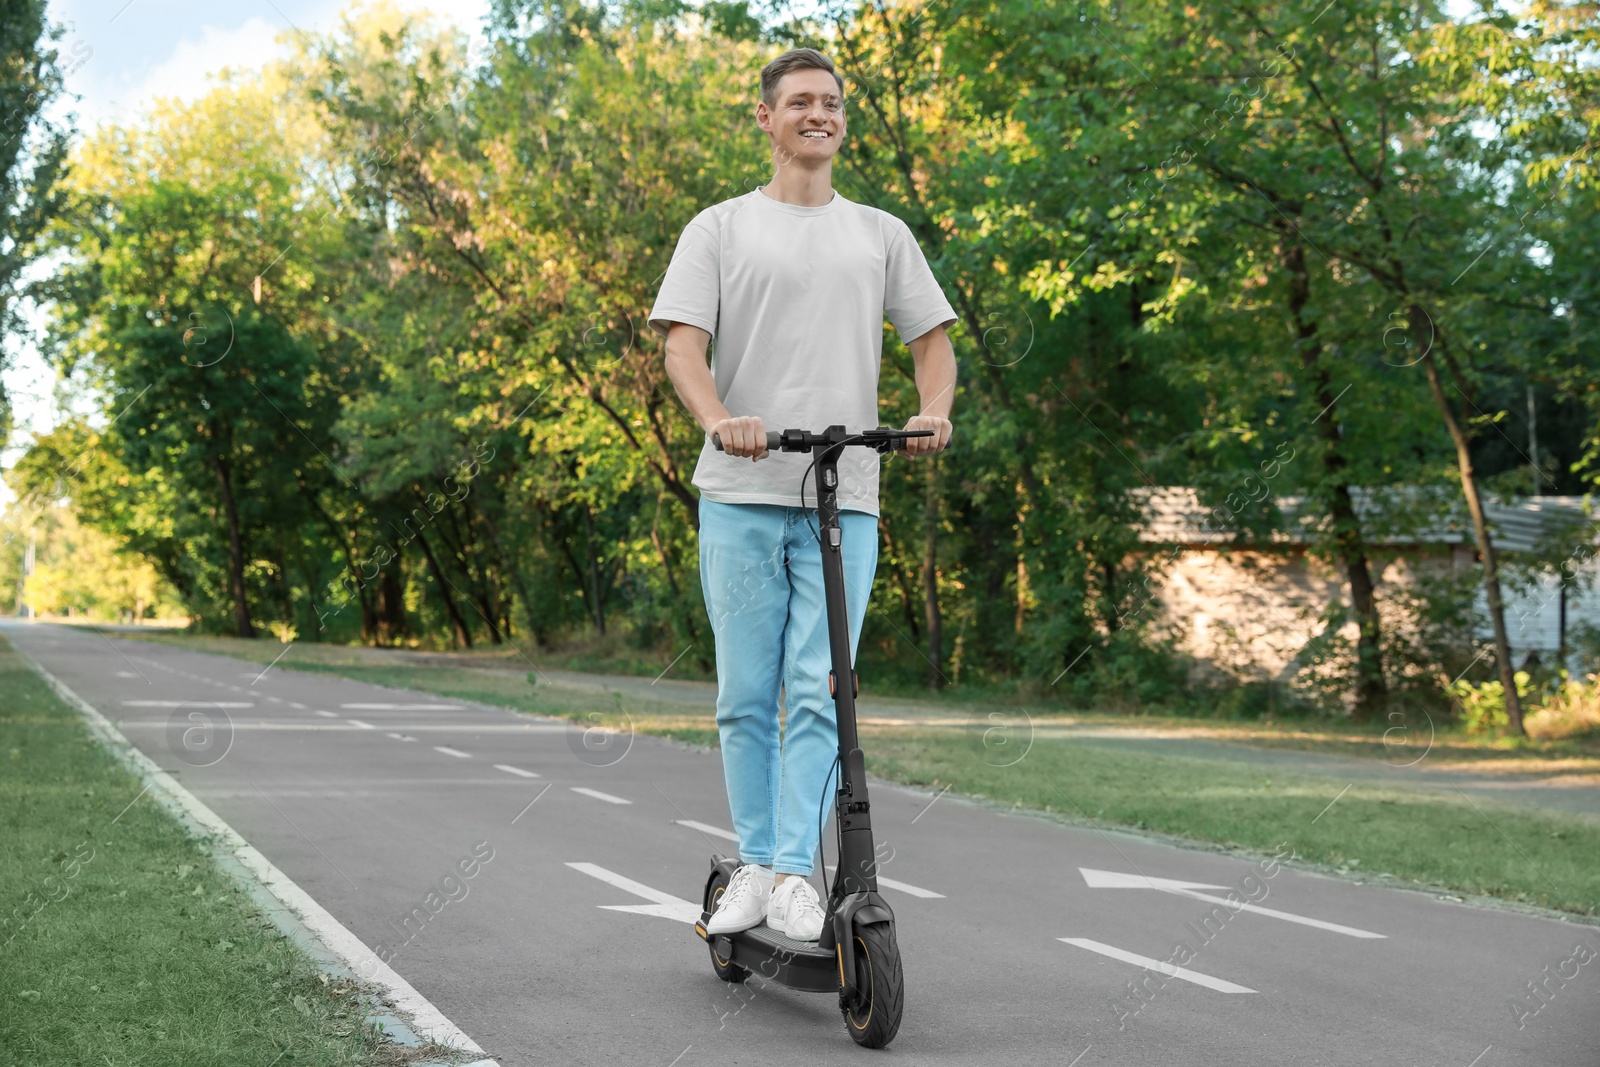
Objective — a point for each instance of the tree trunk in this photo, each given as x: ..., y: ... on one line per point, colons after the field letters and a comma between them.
x: 519, y: 585
x: 1372, y: 691
x: 241, y: 610
x: 930, y: 574
x: 901, y: 579
x: 672, y: 584
x: 1480, y: 529
x: 391, y: 608
x: 596, y: 601
x: 1022, y: 561
x: 463, y: 635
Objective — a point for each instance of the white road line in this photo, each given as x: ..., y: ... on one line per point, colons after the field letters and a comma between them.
x: 297, y: 704
x: 707, y: 828
x: 518, y: 771
x: 456, y: 752
x: 1116, y: 880
x: 1171, y: 970
x: 887, y: 883
x: 184, y: 703
x: 908, y: 889
x: 607, y: 797
x: 362, y: 725
x: 327, y: 714
x: 663, y: 906
x: 400, y: 737
x: 425, y: 1020
x: 401, y: 707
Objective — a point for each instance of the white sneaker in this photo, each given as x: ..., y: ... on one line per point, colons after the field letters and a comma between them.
x: 744, y: 903
x: 795, y: 911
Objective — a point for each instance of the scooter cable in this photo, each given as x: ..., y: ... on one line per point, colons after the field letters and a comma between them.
x: 822, y: 852
x: 816, y: 533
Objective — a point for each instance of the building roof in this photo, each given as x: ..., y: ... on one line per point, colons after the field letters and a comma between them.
x: 1392, y: 515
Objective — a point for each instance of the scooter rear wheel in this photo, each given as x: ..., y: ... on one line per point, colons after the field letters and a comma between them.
x: 875, y: 1021
x: 726, y: 970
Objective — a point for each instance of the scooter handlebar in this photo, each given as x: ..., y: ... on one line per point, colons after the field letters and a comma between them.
x: 882, y: 439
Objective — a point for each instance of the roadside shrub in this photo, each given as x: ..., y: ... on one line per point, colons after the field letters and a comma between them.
x: 1482, y: 705
x: 1573, y: 710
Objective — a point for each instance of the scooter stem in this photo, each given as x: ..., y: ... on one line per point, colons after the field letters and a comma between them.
x: 857, y: 864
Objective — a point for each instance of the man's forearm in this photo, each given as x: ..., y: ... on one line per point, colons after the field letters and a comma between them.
x: 936, y: 375
x: 691, y: 378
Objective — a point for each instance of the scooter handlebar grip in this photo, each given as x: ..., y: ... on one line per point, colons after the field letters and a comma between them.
x: 774, y: 440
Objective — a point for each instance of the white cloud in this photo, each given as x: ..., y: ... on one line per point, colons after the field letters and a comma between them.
x: 187, y: 73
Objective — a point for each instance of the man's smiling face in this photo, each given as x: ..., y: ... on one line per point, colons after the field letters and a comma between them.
x: 806, y: 122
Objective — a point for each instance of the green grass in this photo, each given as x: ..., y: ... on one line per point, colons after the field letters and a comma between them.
x: 126, y: 945
x: 1409, y: 835
x: 1419, y: 836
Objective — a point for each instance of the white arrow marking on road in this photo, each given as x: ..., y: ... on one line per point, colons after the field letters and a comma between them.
x: 518, y: 771
x: 607, y: 797
x: 888, y: 883
x: 663, y: 905
x: 183, y: 704
x: 1114, y: 880
x: 1171, y: 970
x: 904, y: 887
x: 401, y: 707
x: 456, y: 752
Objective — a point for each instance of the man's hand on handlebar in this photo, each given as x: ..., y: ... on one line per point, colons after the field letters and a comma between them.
x: 743, y: 436
x: 921, y: 446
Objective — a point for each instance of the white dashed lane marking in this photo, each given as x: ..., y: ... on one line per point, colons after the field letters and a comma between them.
x: 362, y: 725
x: 1171, y: 970
x: 401, y: 707
x: 185, y: 703
x: 456, y: 752
x: 518, y: 771
x: 607, y: 797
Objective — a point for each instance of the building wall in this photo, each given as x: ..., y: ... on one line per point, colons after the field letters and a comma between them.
x: 1253, y: 612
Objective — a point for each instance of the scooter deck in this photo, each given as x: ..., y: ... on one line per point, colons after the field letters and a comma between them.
x: 763, y: 951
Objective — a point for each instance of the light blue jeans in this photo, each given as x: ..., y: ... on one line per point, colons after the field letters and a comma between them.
x: 761, y: 572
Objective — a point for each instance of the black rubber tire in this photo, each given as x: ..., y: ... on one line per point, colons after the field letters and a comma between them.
x: 726, y: 970
x: 879, y: 976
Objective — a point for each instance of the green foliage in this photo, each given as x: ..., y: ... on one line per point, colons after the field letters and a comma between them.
x: 1182, y: 242
x: 1483, y: 705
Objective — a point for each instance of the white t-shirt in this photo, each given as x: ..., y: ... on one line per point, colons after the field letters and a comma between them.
x: 795, y: 299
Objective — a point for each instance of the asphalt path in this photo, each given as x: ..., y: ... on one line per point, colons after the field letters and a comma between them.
x: 1024, y: 941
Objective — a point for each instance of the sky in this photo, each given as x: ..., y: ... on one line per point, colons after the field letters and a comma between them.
x: 122, y: 55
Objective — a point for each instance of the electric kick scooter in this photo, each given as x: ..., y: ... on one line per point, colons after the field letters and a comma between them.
x: 857, y: 956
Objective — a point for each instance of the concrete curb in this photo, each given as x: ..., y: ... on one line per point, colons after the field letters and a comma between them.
x: 407, y: 1017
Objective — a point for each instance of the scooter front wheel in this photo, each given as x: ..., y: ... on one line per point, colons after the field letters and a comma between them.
x: 875, y: 1020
